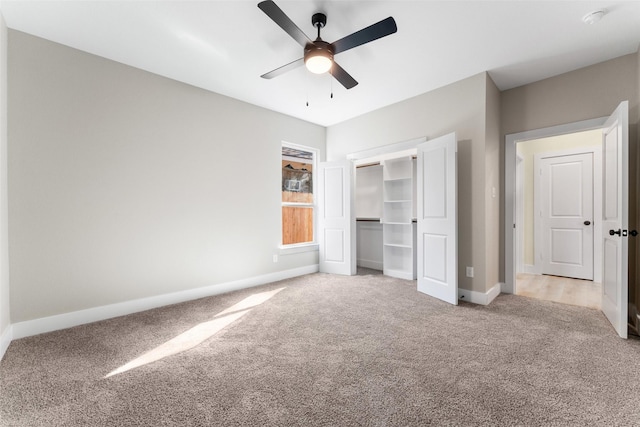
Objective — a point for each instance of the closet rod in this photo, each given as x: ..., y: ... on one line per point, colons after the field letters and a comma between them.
x: 367, y: 165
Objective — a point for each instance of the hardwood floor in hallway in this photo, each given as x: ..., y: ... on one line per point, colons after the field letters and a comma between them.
x: 564, y: 290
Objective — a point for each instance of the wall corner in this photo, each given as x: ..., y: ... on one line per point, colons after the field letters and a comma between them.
x: 5, y: 317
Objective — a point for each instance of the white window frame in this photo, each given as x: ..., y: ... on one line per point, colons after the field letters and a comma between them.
x: 306, y: 246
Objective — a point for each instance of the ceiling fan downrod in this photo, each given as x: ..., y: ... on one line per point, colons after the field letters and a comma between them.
x: 319, y: 20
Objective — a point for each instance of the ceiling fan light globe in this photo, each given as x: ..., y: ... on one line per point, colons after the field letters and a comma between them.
x: 318, y: 64
x: 318, y: 56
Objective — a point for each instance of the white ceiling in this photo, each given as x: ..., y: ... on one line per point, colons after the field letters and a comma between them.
x: 224, y: 46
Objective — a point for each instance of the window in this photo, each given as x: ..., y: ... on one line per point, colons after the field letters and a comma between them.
x: 298, y: 204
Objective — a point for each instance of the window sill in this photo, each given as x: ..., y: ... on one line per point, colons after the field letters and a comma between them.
x: 297, y: 249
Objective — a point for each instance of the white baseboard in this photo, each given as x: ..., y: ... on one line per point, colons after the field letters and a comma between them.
x: 376, y: 265
x: 5, y: 340
x: 482, y: 298
x: 530, y: 269
x: 81, y: 317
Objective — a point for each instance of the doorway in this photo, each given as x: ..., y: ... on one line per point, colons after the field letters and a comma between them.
x: 370, y: 201
x: 434, y: 244
x: 614, y: 215
x: 556, y: 201
x: 528, y: 198
x: 565, y: 290
x: 515, y: 208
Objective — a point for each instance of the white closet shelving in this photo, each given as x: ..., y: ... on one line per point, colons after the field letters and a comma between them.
x: 397, y: 211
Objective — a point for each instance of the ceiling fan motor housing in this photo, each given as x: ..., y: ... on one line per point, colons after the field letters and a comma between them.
x: 318, y: 47
x: 319, y: 20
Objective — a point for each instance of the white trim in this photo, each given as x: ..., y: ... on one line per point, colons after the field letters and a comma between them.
x: 298, y: 204
x: 530, y: 269
x: 509, y: 185
x: 81, y: 317
x: 297, y: 249
x: 296, y: 159
x: 386, y: 149
x: 519, y: 200
x: 480, y: 297
x: 5, y: 340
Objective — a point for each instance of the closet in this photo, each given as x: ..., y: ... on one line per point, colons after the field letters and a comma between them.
x: 385, y: 216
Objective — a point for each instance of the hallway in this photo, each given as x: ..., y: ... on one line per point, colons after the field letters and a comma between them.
x: 564, y: 290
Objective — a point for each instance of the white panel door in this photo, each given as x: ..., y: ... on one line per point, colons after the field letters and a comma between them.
x: 437, y: 219
x: 615, y: 196
x: 336, y: 221
x: 566, y: 199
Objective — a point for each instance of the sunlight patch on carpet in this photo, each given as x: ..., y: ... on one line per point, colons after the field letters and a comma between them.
x: 199, y: 333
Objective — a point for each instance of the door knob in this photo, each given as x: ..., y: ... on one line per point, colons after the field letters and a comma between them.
x: 587, y: 223
x: 634, y: 233
x: 612, y: 232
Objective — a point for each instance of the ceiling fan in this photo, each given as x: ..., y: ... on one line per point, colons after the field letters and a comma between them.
x: 318, y: 54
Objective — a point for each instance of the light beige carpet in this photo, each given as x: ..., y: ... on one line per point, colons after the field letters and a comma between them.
x: 323, y: 350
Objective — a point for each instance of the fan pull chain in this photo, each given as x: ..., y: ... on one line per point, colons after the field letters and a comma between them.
x: 331, y: 73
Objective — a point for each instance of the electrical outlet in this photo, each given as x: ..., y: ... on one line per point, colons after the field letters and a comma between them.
x: 469, y: 271
x: 275, y: 257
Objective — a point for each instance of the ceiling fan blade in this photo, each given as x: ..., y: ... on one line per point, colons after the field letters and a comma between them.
x: 342, y: 76
x: 365, y: 35
x: 281, y: 70
x: 278, y: 16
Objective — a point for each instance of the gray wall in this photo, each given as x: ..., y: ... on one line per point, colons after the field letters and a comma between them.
x: 493, y: 167
x: 587, y: 93
x: 127, y: 185
x: 4, y: 245
x: 459, y: 107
